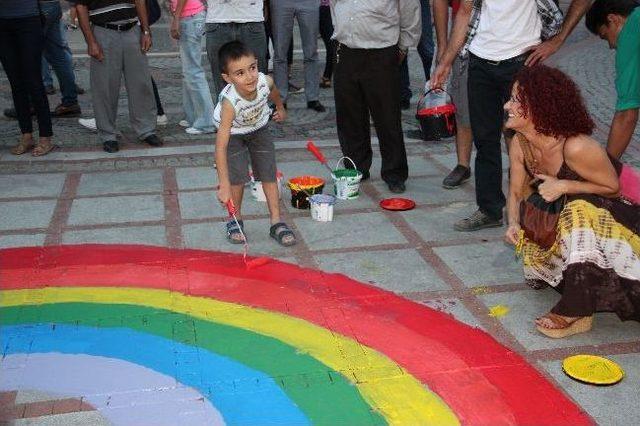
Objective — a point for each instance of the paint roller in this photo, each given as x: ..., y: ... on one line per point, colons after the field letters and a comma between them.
x: 318, y: 154
x: 249, y: 264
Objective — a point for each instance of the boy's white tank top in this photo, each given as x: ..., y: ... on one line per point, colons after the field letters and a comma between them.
x: 251, y: 115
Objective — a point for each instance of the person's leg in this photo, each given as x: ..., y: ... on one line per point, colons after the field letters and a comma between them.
x: 198, y: 105
x: 307, y: 14
x: 156, y: 97
x: 405, y: 84
x: 138, y: 82
x: 56, y: 53
x: 253, y: 37
x: 384, y: 103
x: 47, y: 78
x: 326, y: 31
x: 352, y: 113
x: 282, y: 13
x: 425, y: 45
x: 216, y: 36
x: 105, y: 77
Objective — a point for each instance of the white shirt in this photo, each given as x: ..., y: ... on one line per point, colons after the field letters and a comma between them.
x: 507, y: 28
x: 242, y: 11
x: 251, y: 115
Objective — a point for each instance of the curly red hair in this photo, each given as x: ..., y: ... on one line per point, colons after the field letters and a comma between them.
x: 553, y: 101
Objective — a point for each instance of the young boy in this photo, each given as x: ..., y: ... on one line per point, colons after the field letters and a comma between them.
x: 242, y: 115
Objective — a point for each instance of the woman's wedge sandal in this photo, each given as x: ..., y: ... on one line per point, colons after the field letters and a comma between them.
x: 282, y: 234
x: 22, y: 147
x: 233, y: 232
x: 563, y: 327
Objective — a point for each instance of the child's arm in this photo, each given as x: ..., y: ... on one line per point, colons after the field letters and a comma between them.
x: 227, y: 114
x: 274, y: 96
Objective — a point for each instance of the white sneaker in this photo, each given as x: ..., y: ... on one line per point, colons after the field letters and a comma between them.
x: 162, y: 120
x: 89, y: 123
x: 195, y: 131
x: 184, y: 123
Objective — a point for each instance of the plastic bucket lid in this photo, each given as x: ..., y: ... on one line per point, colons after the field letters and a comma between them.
x: 305, y: 182
x: 322, y: 199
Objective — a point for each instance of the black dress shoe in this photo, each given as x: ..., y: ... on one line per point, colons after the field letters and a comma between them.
x: 396, y: 187
x: 457, y: 176
x: 72, y: 110
x: 316, y: 106
x: 153, y: 140
x: 111, y: 146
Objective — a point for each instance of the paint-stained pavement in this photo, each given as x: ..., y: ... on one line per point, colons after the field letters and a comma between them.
x: 166, y: 197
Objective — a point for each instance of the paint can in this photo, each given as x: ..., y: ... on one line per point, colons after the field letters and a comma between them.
x: 257, y: 193
x: 302, y: 187
x: 346, y: 182
x: 322, y: 207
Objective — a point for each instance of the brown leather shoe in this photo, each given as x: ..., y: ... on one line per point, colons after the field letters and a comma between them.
x: 67, y: 111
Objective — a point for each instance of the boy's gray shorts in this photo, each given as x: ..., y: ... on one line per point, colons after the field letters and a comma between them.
x: 458, y: 90
x: 256, y: 147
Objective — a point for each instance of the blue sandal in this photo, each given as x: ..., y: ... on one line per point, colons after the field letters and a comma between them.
x: 233, y: 232
x: 280, y: 231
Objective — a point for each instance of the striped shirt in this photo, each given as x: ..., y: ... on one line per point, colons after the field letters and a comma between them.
x: 251, y: 115
x: 548, y: 10
x: 111, y: 11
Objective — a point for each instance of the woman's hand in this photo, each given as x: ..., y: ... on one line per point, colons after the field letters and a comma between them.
x: 175, y: 28
x: 551, y: 188
x: 512, y: 236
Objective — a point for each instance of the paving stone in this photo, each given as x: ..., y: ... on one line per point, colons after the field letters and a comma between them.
x: 83, y: 418
x: 22, y: 240
x: 349, y: 231
x: 134, y: 208
x: 426, y: 190
x: 437, y: 224
x: 152, y: 235
x: 41, y: 185
x: 120, y: 182
x: 499, y: 265
x: 418, y: 166
x: 214, y: 236
x: 395, y: 270
x: 26, y: 214
x: 196, y: 177
x: 609, y: 405
x: 205, y: 204
x: 526, y: 305
x: 455, y: 308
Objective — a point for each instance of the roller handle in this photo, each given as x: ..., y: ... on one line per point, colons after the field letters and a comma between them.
x: 231, y: 208
x: 315, y: 151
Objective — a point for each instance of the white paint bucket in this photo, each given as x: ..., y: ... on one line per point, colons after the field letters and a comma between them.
x: 257, y: 193
x: 346, y: 182
x: 322, y: 207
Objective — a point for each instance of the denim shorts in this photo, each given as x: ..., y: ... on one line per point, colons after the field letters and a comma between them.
x: 256, y: 147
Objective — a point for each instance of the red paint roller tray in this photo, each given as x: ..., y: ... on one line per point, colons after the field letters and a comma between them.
x: 397, y: 204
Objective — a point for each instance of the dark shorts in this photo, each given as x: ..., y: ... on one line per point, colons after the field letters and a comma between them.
x: 256, y: 147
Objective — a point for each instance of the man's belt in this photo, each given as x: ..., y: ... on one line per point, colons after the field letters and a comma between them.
x: 520, y: 58
x: 117, y: 27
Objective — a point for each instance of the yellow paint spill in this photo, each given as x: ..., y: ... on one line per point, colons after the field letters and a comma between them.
x: 480, y: 290
x: 498, y: 311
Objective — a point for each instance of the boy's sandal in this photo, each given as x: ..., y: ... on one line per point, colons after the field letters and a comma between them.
x: 561, y: 327
x: 22, y: 147
x: 233, y: 232
x: 42, y: 149
x: 282, y: 234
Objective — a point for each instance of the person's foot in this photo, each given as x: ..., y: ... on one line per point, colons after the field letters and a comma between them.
x: 67, y: 110
x: 295, y: 90
x: 396, y: 187
x: 89, y: 123
x: 316, y: 106
x: 196, y: 131
x: 50, y: 90
x: 162, y: 120
x: 43, y: 147
x: 153, y: 140
x: 184, y: 123
x: 111, y: 146
x: 405, y: 104
x: 559, y: 326
x: 11, y: 113
x: 325, y: 82
x: 478, y: 220
x: 80, y: 90
x: 457, y: 176
x: 25, y: 145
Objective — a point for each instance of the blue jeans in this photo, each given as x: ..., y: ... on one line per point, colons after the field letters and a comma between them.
x: 57, y: 52
x: 47, y: 79
x: 425, y: 50
x: 196, y: 97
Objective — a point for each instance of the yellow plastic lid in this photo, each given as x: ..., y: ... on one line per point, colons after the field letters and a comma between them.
x: 592, y: 369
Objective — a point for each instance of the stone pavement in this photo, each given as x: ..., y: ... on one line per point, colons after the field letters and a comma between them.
x: 166, y: 197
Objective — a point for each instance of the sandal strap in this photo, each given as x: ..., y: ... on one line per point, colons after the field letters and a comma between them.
x: 558, y: 321
x: 280, y: 229
x: 232, y: 226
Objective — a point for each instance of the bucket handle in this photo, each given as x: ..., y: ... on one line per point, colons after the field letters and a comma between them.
x: 342, y: 159
x: 433, y: 90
